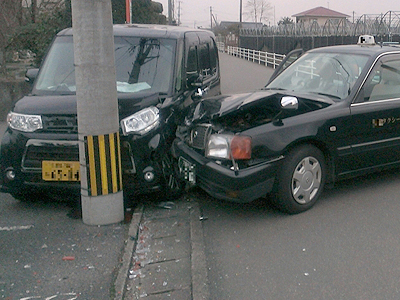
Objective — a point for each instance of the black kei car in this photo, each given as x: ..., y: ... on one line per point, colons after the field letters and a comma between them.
x: 333, y: 113
x: 160, y: 71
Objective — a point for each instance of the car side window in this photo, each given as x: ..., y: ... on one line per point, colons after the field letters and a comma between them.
x: 208, y: 59
x: 192, y: 60
x: 204, y: 55
x: 384, y: 82
x: 213, y: 57
x: 202, y: 59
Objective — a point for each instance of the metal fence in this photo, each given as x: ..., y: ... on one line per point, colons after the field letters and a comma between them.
x: 386, y: 25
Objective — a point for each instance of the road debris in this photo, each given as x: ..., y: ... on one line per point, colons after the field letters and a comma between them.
x: 68, y: 258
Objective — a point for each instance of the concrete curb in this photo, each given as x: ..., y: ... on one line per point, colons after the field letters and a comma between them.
x: 199, y: 274
x: 200, y: 289
x: 120, y: 282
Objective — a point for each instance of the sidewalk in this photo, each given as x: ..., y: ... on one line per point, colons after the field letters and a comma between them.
x: 164, y: 257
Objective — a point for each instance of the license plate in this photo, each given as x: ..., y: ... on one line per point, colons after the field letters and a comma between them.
x: 187, y: 169
x: 60, y: 170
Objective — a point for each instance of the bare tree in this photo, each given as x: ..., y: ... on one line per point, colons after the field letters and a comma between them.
x: 10, y: 18
x: 258, y: 10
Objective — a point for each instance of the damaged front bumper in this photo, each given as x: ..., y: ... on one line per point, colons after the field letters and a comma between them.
x: 22, y: 155
x: 242, y: 186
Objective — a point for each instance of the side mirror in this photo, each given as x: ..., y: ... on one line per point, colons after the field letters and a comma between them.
x: 31, y: 75
x: 194, y: 79
x: 289, y: 102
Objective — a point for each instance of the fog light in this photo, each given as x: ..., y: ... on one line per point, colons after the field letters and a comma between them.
x: 149, y: 176
x: 10, y: 174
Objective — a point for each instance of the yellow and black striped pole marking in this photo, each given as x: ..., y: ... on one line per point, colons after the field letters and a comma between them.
x: 103, y: 157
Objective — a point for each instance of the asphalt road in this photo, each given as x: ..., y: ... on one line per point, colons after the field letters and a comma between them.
x: 346, y: 247
x: 44, y: 254
x: 239, y: 75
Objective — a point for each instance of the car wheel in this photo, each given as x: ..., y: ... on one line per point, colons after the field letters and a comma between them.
x: 173, y: 185
x: 301, y: 179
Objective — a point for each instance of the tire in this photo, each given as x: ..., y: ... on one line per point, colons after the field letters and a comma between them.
x: 301, y: 179
x: 173, y: 185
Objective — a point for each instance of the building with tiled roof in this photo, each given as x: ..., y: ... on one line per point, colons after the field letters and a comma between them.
x: 320, y: 15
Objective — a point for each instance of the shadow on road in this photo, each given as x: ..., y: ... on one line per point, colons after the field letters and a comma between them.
x: 341, y: 192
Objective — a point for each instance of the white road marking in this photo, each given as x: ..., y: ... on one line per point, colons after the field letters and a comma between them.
x: 13, y: 228
x: 75, y: 296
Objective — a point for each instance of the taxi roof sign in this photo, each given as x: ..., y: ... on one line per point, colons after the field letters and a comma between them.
x: 366, y: 40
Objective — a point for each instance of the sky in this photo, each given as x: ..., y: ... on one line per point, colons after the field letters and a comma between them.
x: 196, y: 13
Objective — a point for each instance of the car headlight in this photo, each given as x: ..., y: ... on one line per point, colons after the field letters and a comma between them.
x: 229, y: 146
x: 26, y: 123
x: 141, y: 122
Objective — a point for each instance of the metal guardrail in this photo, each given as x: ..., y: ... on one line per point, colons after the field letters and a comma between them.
x: 268, y: 59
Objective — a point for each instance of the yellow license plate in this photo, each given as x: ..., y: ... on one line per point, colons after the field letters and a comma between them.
x: 60, y: 170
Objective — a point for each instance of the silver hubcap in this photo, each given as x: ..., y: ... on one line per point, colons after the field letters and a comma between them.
x: 306, y: 180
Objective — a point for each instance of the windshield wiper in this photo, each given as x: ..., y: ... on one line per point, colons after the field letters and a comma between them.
x: 274, y: 88
x: 327, y: 95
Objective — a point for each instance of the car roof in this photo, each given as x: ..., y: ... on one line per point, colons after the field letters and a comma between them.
x: 370, y: 50
x: 147, y: 30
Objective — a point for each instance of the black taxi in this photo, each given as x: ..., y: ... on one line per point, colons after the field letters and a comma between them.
x: 332, y: 113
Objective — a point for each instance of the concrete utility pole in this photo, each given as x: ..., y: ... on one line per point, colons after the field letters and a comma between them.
x: 98, y: 128
x: 171, y: 9
x: 240, y: 20
x: 240, y: 13
x: 211, y: 17
x: 179, y: 13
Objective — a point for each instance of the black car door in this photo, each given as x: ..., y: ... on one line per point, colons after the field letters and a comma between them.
x: 376, y: 117
x: 202, y: 65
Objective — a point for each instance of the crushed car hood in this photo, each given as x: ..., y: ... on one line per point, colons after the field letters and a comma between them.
x: 225, y: 104
x: 67, y: 105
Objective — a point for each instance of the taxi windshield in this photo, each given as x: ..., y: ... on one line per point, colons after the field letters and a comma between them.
x: 329, y: 74
x: 142, y: 64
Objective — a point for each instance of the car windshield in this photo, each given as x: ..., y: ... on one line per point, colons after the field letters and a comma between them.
x: 142, y: 64
x: 330, y: 74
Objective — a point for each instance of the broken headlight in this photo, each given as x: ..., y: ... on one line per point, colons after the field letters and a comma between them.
x: 141, y: 122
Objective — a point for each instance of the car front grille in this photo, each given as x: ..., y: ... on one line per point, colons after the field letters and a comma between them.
x: 199, y: 136
x: 60, y: 124
x: 38, y: 150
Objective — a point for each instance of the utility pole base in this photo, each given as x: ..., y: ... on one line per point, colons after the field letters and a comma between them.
x: 103, y: 210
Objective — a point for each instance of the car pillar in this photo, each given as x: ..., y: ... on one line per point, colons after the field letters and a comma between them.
x: 97, y: 105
